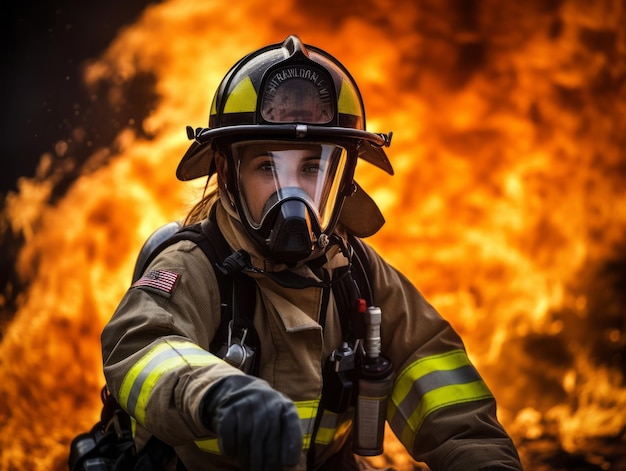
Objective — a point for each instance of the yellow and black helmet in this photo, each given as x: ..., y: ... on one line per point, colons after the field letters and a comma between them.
x: 291, y: 92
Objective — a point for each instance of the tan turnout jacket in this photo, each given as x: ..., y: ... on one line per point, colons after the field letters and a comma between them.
x: 157, y: 365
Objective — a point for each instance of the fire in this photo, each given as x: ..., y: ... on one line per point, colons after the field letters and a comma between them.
x: 507, y: 209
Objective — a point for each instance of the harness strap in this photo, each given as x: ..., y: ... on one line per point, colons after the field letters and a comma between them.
x: 361, y: 270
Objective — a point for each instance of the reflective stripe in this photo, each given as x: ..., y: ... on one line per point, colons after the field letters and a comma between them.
x: 429, y: 384
x: 349, y: 102
x: 242, y: 99
x: 327, y: 428
x: 307, y: 410
x: 209, y: 445
x: 142, y: 378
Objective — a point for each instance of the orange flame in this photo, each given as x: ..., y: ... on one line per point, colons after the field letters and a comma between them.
x: 507, y: 202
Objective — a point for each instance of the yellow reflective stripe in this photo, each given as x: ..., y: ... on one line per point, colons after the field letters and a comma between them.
x: 324, y: 435
x: 307, y: 411
x: 327, y: 428
x: 161, y: 359
x: 242, y: 99
x: 210, y: 445
x: 442, y: 397
x: 138, y: 368
x: 348, y: 102
x: 151, y: 380
x: 446, y: 361
x: 430, y: 384
x: 135, y: 370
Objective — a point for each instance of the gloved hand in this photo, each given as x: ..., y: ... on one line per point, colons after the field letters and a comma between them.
x: 255, y: 424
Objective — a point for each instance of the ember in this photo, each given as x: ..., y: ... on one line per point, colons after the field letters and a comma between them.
x: 508, y: 208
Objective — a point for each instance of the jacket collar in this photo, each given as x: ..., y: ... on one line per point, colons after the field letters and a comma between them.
x: 237, y: 238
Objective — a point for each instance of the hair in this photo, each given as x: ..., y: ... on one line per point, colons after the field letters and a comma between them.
x: 200, y: 210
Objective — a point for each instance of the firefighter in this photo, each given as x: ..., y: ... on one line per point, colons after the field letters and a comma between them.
x: 286, y: 129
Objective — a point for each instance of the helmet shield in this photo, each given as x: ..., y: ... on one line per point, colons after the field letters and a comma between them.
x: 269, y: 173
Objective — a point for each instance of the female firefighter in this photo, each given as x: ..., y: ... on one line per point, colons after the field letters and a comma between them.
x: 286, y: 128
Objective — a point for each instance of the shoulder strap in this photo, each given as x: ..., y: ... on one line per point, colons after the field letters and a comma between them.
x: 157, y: 241
x: 206, y: 235
x: 236, y: 289
x: 351, y: 285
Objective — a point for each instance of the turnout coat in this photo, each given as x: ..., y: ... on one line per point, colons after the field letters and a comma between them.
x: 158, y: 366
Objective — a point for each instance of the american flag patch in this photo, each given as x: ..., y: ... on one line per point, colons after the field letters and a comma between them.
x: 161, y: 280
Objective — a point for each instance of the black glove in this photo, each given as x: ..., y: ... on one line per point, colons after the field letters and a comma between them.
x: 254, y: 423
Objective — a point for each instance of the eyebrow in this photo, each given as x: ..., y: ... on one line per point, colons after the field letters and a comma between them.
x: 313, y: 159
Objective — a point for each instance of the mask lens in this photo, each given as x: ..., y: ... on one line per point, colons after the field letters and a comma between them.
x: 270, y: 172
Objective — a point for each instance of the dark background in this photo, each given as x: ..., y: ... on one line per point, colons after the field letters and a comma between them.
x: 43, y: 98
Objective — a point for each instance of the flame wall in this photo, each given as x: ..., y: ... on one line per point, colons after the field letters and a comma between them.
x: 507, y: 208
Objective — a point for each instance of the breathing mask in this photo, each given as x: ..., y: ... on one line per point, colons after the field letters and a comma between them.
x: 288, y: 193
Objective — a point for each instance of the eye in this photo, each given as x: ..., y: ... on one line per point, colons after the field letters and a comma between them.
x: 312, y: 166
x: 266, y: 165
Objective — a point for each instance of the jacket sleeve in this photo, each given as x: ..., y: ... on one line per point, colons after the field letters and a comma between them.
x: 155, y: 347
x: 440, y: 408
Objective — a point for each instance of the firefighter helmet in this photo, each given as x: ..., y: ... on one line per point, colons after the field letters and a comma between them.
x: 298, y: 94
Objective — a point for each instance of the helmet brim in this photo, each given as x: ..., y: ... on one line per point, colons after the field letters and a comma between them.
x: 198, y: 160
x: 360, y: 214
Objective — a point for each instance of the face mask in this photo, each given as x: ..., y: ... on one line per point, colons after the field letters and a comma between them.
x: 288, y: 193
x: 289, y: 226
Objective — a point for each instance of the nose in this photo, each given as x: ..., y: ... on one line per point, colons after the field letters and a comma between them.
x: 289, y: 178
